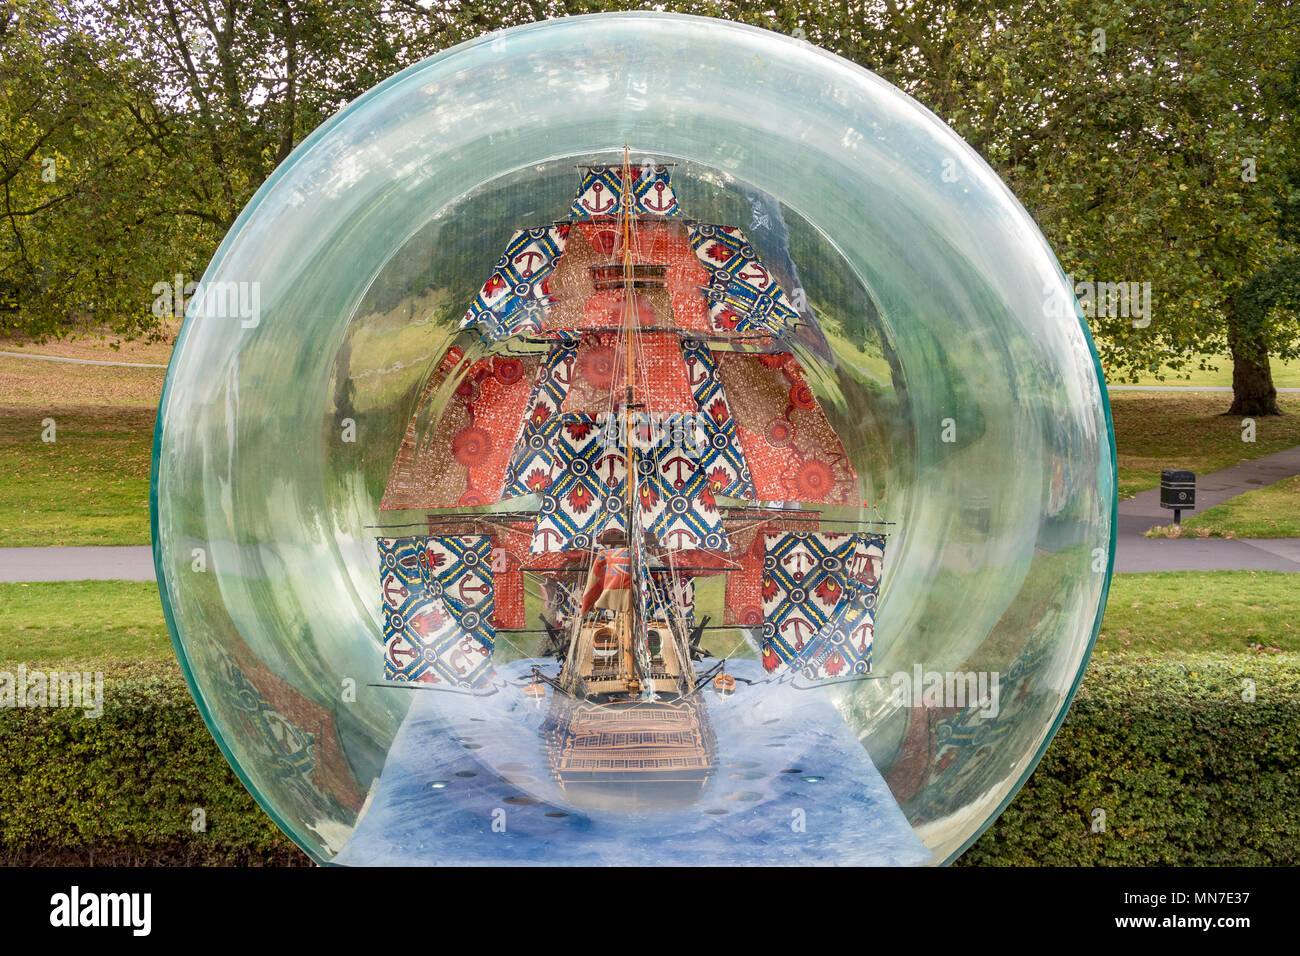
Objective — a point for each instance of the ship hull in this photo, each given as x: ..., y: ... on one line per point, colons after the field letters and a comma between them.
x: 619, y: 753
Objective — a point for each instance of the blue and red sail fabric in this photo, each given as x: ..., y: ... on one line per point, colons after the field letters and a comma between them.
x: 602, y: 192
x: 523, y: 294
x: 438, y: 602
x: 744, y: 296
x: 819, y: 601
x: 516, y: 297
x: 725, y: 425
x: 725, y: 414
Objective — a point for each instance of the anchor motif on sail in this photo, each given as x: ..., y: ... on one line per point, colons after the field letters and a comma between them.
x: 598, y: 208
x: 395, y: 593
x: 677, y: 462
x: 796, y: 623
x: 612, y: 459
x: 563, y: 373
x: 801, y: 562
x: 755, y: 273
x: 400, y: 650
x: 528, y: 255
x: 463, y: 585
x: 696, y: 373
x: 663, y: 205
x: 865, y: 629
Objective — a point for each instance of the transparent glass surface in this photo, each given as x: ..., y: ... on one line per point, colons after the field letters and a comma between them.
x: 941, y: 341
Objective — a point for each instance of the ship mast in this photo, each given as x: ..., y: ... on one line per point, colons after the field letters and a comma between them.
x: 642, y: 647
x: 636, y: 631
x: 630, y: 625
x: 626, y: 215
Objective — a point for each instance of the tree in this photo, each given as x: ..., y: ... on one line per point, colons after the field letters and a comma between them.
x: 1267, y: 305
x: 77, y: 199
x: 1146, y: 138
x: 1126, y: 128
x: 132, y: 133
x: 231, y: 87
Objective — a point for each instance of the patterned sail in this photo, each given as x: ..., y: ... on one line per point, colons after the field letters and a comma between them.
x: 819, y: 595
x: 516, y: 296
x: 743, y: 295
x: 438, y: 608
x: 723, y: 413
x: 693, y: 276
x: 602, y: 193
x: 462, y: 462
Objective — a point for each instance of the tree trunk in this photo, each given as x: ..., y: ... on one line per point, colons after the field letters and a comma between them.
x: 1252, y: 377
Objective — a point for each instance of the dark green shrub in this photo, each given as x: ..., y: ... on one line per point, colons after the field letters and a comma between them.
x: 1186, y: 770
x: 120, y: 789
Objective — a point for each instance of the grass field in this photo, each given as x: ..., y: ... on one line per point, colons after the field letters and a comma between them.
x: 55, y: 385
x: 1154, y: 431
x: 115, y: 622
x: 1171, y: 612
x: 91, y: 485
x: 120, y: 623
x: 102, y: 348
x: 88, y: 486
x: 1285, y: 374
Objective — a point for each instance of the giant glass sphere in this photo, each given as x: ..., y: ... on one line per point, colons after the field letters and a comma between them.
x: 863, y: 578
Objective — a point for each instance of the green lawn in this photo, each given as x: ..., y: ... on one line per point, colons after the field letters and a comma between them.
x: 1158, y: 430
x: 116, y: 622
x: 1169, y: 613
x: 89, y: 486
x: 1285, y: 374
x: 1159, y: 614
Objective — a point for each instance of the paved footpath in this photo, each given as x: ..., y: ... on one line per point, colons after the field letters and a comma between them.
x: 1136, y: 552
x: 1143, y: 511
x: 76, y: 564
x: 1180, y: 388
x: 78, y: 361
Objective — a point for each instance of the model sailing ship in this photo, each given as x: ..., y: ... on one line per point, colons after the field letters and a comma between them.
x: 626, y: 417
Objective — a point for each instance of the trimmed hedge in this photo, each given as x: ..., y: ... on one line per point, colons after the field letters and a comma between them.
x: 120, y: 789
x: 1186, y: 771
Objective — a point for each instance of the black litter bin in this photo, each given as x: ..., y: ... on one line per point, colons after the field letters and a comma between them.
x: 1177, y: 491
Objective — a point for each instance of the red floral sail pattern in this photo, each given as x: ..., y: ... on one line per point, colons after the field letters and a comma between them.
x: 462, y: 462
x: 792, y: 451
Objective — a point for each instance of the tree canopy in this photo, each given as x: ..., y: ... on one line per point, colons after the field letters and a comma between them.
x: 1153, y: 141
